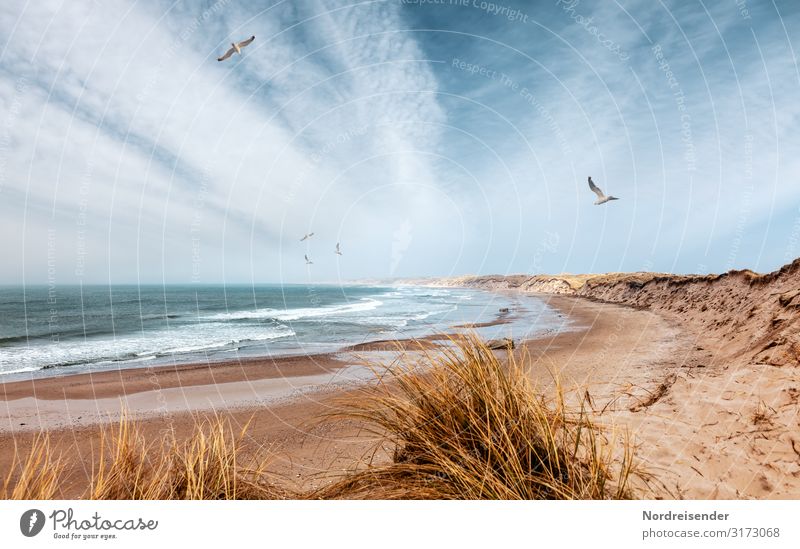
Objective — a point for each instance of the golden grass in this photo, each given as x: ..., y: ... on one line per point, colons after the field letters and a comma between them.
x: 128, y: 467
x: 206, y: 466
x: 462, y: 422
x: 470, y: 426
x: 37, y: 475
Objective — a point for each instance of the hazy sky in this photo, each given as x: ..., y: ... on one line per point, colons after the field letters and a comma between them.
x: 430, y: 138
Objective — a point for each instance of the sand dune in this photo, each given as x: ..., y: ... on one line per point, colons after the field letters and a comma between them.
x: 723, y: 419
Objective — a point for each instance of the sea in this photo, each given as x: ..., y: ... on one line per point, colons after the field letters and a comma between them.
x: 51, y: 331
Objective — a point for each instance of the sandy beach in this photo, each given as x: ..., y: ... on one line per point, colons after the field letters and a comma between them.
x: 286, y: 400
x: 703, y: 428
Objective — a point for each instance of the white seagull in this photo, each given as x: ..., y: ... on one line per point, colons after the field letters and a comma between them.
x: 308, y: 261
x: 236, y: 48
x: 338, y: 250
x: 306, y: 237
x: 601, y: 198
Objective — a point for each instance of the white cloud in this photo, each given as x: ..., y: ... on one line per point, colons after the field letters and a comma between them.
x: 145, y: 104
x: 338, y: 119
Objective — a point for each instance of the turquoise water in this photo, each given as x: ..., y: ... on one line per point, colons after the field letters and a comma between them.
x: 52, y: 331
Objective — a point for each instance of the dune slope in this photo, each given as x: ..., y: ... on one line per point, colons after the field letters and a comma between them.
x: 726, y: 422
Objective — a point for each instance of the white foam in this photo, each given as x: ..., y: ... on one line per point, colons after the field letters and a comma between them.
x: 20, y: 370
x: 197, y: 337
x: 366, y: 304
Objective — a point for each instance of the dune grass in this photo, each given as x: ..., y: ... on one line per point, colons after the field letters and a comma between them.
x: 463, y: 424
x: 468, y: 425
x: 210, y: 465
x: 34, y: 476
x: 206, y: 466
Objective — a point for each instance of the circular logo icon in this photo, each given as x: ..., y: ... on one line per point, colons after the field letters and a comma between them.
x: 31, y: 522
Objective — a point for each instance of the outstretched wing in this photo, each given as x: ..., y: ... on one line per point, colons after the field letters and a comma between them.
x: 595, y: 189
x: 227, y: 55
x: 306, y: 256
x: 247, y: 42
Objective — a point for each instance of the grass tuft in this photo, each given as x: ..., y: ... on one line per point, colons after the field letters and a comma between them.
x: 762, y: 415
x: 206, y: 466
x: 35, y: 476
x: 468, y: 425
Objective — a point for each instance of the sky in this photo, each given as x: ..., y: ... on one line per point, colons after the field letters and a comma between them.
x: 429, y: 138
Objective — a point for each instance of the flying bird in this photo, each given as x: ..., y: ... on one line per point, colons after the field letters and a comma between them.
x: 306, y: 237
x: 236, y: 48
x: 601, y: 198
x: 308, y: 261
x: 338, y: 250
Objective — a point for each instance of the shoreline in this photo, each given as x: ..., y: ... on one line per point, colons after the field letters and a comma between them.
x: 307, y: 450
x: 648, y: 372
x: 183, y: 371
x: 83, y: 399
x: 316, y: 321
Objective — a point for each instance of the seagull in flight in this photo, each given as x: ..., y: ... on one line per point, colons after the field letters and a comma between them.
x: 308, y: 261
x: 601, y: 198
x: 306, y: 237
x: 338, y: 250
x: 236, y: 48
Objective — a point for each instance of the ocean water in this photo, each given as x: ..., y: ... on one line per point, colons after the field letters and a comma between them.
x: 54, y: 331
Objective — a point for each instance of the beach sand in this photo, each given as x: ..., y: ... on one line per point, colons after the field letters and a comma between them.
x: 719, y: 415
x: 646, y: 372
x: 286, y: 417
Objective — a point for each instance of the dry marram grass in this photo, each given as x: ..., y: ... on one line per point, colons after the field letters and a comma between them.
x: 468, y: 425
x: 463, y: 424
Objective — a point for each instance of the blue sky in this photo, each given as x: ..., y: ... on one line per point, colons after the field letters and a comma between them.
x: 429, y: 138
